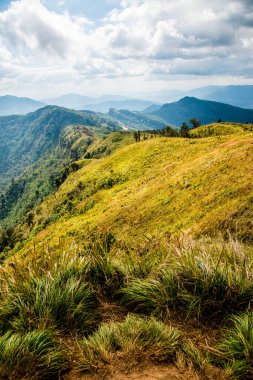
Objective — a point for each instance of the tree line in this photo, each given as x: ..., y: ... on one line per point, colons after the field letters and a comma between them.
x: 168, y: 131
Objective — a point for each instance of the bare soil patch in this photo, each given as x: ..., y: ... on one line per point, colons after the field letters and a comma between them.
x: 232, y: 143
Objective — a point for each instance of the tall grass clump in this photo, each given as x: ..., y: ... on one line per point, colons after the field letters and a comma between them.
x: 128, y: 342
x: 102, y: 269
x: 151, y: 296
x: 236, y: 348
x: 64, y: 301
x: 34, y: 355
x: 215, y: 281
x: 205, y: 280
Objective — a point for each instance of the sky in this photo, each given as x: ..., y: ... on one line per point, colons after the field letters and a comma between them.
x: 128, y: 47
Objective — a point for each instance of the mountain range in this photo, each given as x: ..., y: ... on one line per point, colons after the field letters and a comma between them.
x: 206, y: 111
x: 126, y: 247
x: 101, y: 104
x: 13, y: 105
x: 236, y: 95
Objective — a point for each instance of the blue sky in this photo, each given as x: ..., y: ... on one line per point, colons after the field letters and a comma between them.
x: 93, y: 9
x: 129, y: 47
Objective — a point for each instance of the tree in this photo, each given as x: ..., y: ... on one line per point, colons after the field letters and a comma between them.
x: 195, y: 123
x: 137, y: 136
x: 184, y: 130
x: 170, y: 132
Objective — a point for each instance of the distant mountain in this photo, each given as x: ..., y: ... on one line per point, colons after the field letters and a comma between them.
x: 101, y: 104
x: 206, y: 111
x: 236, y: 95
x: 13, y: 105
x: 241, y: 96
x: 74, y: 101
x: 137, y: 120
x: 129, y: 104
x: 25, y: 139
x: 152, y: 108
x: 169, y: 96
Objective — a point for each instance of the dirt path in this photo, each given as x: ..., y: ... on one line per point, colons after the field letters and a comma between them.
x: 156, y: 372
x: 232, y: 143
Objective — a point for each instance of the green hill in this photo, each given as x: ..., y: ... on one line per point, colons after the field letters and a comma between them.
x: 206, y: 111
x: 36, y: 155
x: 156, y: 187
x: 135, y: 260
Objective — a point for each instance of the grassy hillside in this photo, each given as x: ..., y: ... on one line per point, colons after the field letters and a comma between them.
x: 36, y: 152
x: 26, y: 139
x: 156, y: 187
x: 109, y: 280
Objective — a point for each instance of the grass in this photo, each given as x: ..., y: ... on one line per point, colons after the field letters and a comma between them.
x: 236, y: 348
x: 34, y: 355
x: 151, y: 188
x: 63, y: 294
x: 64, y: 301
x: 140, y: 196
x: 205, y: 281
x: 131, y: 340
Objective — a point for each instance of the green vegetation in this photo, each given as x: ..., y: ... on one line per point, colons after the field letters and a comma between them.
x: 137, y: 120
x: 67, y: 313
x: 141, y: 254
x: 158, y: 186
x: 33, y: 355
x: 133, y: 339
x: 237, y: 347
x: 190, y: 108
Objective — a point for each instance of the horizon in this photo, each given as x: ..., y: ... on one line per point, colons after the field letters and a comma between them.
x: 132, y: 47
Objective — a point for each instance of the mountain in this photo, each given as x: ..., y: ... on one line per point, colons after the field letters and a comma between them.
x: 36, y: 150
x: 129, y: 104
x: 241, y: 96
x: 152, y: 108
x: 13, y: 105
x: 100, y: 104
x: 24, y: 139
x: 169, y: 96
x: 160, y: 185
x: 139, y: 262
x: 206, y: 111
x: 74, y: 101
x: 137, y: 120
x: 236, y: 95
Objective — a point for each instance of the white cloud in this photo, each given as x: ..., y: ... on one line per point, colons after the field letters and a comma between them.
x: 139, y: 38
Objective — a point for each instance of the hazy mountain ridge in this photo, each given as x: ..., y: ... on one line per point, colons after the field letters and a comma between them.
x: 205, y: 111
x: 137, y: 120
x: 100, y: 104
x: 13, y: 105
